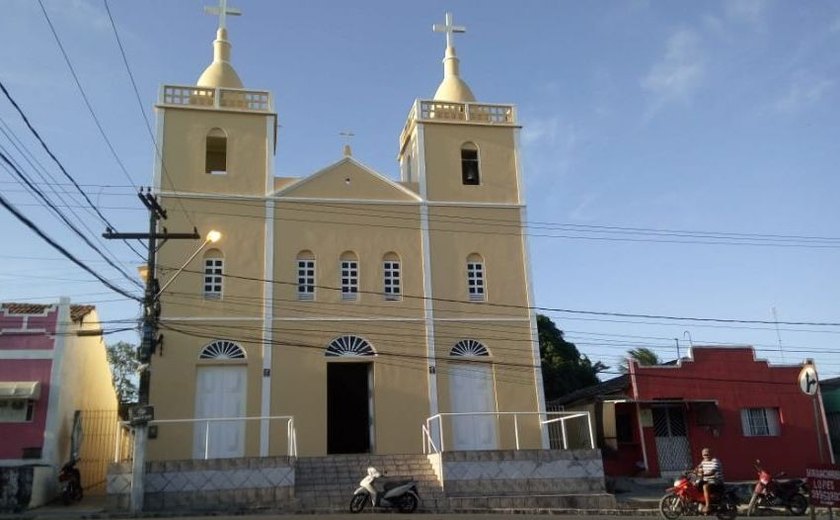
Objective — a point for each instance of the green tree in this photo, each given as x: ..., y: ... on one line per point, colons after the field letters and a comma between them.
x: 564, y: 368
x: 643, y: 356
x: 122, y: 357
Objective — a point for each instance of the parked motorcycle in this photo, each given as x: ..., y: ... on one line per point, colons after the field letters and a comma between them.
x: 381, y: 492
x: 769, y: 491
x: 686, y: 497
x: 70, y: 480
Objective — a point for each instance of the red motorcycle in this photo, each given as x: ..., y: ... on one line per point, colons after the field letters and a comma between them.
x: 686, y: 497
x: 770, y: 492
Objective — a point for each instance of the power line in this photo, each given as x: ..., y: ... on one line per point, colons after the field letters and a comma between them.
x: 158, y: 153
x: 63, y: 251
x: 64, y: 218
x: 485, y: 226
x: 549, y: 309
x: 84, y: 95
x: 43, y: 174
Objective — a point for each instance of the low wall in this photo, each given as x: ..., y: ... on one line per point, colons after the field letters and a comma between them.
x: 215, y: 484
x: 15, y: 488
x: 523, y: 472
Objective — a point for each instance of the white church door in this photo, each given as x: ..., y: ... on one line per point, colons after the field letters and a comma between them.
x: 471, y: 390
x: 219, y: 392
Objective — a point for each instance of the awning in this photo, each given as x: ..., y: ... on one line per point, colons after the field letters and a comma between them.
x: 20, y: 389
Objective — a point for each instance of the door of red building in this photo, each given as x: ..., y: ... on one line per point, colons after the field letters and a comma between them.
x: 672, y: 449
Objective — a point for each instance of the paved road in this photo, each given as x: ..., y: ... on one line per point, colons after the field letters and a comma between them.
x: 50, y: 513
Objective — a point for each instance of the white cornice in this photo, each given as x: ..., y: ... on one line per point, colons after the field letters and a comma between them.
x: 280, y: 200
x: 26, y: 354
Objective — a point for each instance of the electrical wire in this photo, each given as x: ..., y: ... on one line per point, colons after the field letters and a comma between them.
x: 63, y: 251
x: 158, y: 153
x: 55, y: 159
x: 64, y: 218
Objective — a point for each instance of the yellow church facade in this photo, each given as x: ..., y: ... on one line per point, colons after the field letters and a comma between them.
x: 342, y: 312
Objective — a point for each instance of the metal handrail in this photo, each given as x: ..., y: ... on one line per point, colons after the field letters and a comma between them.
x: 425, y: 429
x: 291, y: 432
x: 427, y: 440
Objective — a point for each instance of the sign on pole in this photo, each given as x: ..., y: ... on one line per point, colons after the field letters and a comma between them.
x: 825, y: 486
x: 808, y: 380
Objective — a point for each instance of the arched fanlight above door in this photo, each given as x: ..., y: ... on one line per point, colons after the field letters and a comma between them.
x: 221, y: 350
x: 469, y: 348
x: 349, y: 346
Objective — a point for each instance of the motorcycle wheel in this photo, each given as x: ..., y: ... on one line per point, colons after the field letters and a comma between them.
x: 671, y: 507
x: 358, y: 503
x: 408, y: 503
x: 727, y: 510
x: 797, y: 505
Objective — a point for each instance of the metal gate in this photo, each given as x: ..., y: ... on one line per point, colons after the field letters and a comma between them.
x: 672, y: 447
x: 99, y: 443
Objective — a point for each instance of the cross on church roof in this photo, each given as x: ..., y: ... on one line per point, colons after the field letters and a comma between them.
x: 222, y: 11
x: 449, y: 29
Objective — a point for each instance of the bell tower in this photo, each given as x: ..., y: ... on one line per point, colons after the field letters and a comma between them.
x: 458, y: 149
x: 461, y: 156
x: 215, y: 137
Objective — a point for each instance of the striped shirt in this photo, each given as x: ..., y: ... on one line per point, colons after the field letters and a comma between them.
x: 711, y: 470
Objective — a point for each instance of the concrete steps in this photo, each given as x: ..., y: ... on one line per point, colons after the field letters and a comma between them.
x: 325, y: 484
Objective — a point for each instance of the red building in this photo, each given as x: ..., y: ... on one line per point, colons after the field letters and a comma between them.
x: 656, y: 419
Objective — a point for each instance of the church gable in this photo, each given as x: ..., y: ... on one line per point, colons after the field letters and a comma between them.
x: 348, y: 179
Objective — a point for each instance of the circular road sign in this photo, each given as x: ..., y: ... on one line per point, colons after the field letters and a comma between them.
x: 808, y: 380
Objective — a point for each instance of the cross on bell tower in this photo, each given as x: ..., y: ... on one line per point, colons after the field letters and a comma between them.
x: 222, y: 11
x: 449, y: 28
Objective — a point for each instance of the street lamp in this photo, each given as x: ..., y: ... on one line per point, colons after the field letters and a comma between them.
x: 212, y: 237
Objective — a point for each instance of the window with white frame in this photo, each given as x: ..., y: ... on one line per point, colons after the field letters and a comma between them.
x: 349, y: 276
x: 16, y: 410
x: 475, y: 278
x: 760, y: 422
x: 213, y: 274
x: 306, y: 276
x: 391, y: 277
x: 215, y: 158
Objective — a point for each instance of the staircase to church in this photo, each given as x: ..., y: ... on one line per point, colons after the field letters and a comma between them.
x: 327, y: 483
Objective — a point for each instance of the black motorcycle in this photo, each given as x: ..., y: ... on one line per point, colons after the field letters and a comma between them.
x: 70, y: 480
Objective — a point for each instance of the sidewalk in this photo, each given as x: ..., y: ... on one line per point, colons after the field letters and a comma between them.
x: 636, y: 497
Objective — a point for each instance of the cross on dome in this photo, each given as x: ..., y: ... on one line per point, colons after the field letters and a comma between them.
x: 222, y: 11
x: 449, y: 28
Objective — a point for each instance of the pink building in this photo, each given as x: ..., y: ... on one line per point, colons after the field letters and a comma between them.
x: 52, y: 363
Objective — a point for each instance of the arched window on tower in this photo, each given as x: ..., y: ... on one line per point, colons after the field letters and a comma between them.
x: 469, y: 164
x: 215, y: 157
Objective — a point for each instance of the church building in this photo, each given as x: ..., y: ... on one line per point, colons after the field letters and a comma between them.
x: 344, y: 311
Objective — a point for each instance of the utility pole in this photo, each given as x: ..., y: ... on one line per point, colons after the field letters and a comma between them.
x: 141, y: 414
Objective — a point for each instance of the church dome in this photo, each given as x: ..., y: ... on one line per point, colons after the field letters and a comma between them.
x: 455, y: 89
x: 220, y: 73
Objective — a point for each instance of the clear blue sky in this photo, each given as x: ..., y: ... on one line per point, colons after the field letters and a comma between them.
x: 697, y: 119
